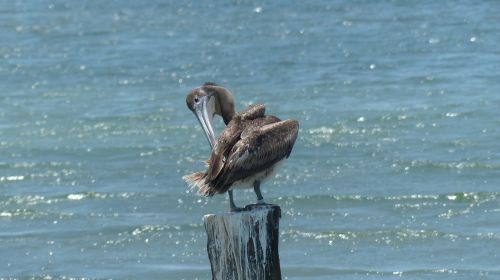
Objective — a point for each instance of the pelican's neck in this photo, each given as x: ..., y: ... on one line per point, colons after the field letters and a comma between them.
x: 224, y: 104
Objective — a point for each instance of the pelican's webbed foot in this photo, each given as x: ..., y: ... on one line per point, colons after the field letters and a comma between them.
x: 261, y: 202
x: 236, y: 209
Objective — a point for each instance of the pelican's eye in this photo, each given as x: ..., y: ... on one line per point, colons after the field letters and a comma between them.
x: 196, y: 99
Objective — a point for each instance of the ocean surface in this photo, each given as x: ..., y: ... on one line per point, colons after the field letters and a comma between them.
x: 395, y: 173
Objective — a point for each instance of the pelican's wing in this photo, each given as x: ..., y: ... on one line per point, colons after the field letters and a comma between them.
x: 252, y: 112
x: 252, y: 116
x: 229, y: 136
x: 258, y: 149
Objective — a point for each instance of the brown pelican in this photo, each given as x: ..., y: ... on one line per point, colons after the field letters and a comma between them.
x: 248, y: 149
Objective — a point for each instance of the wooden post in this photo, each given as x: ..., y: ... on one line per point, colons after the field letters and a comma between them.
x: 244, y: 245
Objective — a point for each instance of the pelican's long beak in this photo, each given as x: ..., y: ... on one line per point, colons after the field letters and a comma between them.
x: 204, y: 113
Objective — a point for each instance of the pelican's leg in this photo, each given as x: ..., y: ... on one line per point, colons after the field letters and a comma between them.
x: 256, y: 188
x: 232, y: 206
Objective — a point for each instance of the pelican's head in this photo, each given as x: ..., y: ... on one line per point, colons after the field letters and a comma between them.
x: 208, y: 100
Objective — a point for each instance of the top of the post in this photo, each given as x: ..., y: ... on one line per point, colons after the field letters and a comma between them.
x: 248, y: 210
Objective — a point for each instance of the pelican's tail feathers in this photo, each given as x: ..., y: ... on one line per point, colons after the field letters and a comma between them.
x: 197, y: 181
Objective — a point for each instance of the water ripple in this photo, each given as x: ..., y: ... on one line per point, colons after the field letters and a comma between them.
x: 389, y: 235
x: 465, y: 197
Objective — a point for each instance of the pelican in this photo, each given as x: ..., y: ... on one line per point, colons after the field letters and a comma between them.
x: 248, y: 150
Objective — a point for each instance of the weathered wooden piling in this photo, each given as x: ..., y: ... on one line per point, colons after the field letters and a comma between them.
x: 244, y: 245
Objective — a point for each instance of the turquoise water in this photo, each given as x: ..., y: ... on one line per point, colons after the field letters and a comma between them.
x: 395, y: 174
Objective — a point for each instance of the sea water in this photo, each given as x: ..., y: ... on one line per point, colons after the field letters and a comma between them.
x: 395, y: 172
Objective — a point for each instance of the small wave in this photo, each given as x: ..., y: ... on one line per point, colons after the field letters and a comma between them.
x: 444, y: 206
x: 61, y: 277
x: 430, y: 271
x: 12, y: 178
x: 147, y: 233
x: 469, y: 197
x: 33, y: 200
x: 75, y: 196
x: 96, y: 195
x: 330, y: 135
x: 389, y: 235
x: 456, y: 165
x: 426, y: 272
x: 6, y: 214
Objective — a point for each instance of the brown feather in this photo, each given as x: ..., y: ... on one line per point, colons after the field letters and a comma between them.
x: 251, y: 143
x: 258, y: 149
x: 197, y: 180
x: 252, y: 112
x: 267, y: 146
x: 222, y: 147
x: 231, y: 134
